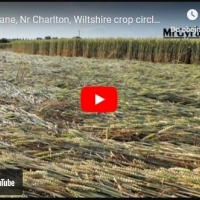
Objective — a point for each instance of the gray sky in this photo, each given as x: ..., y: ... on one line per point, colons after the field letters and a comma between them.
x: 168, y: 14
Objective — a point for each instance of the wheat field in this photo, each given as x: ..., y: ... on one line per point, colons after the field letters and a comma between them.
x: 151, y: 50
x: 150, y: 147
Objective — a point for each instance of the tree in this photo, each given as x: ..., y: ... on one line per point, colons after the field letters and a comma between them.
x: 77, y: 37
x: 4, y: 40
x: 47, y: 37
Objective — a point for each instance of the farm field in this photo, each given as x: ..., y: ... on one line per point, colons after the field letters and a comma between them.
x: 150, y: 147
x: 142, y: 49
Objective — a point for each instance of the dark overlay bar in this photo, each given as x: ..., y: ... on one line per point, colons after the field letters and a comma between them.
x: 11, y: 181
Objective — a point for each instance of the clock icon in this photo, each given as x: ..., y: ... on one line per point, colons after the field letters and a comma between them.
x: 192, y: 14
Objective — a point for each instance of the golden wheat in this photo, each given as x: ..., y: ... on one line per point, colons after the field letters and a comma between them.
x: 154, y: 50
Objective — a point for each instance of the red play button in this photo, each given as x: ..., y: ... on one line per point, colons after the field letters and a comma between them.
x: 99, y: 99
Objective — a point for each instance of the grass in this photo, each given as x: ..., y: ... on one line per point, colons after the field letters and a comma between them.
x: 148, y: 148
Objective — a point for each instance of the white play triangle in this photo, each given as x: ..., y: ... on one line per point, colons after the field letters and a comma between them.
x: 98, y: 99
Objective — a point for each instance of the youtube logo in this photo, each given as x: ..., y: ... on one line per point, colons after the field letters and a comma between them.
x: 99, y: 99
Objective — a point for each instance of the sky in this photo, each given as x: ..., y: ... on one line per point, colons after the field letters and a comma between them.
x: 168, y: 14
